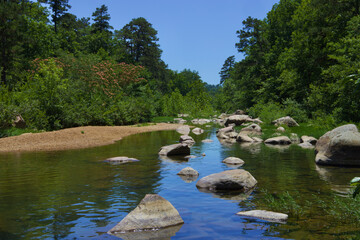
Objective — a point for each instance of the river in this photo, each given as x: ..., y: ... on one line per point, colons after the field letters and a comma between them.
x: 75, y: 195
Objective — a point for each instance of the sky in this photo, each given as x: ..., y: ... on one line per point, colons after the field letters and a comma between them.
x: 193, y: 34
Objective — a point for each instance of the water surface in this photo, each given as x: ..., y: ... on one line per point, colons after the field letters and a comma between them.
x: 75, y: 195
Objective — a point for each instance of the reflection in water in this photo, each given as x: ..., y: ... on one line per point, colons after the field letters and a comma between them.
x: 188, y: 178
x: 235, y: 196
x: 164, y: 233
x: 338, y: 177
x: 74, y: 195
x: 254, y: 148
x: 279, y: 147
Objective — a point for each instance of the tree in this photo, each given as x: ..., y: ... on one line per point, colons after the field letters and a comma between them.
x: 59, y: 8
x: 11, y: 18
x: 227, y: 67
x: 101, y: 20
x: 140, y: 41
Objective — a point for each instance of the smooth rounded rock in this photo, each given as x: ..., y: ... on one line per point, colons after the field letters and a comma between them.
x: 186, y: 139
x: 281, y: 140
x: 188, y: 171
x: 197, y: 131
x: 233, y: 161
x: 230, y: 180
x: 175, y: 149
x: 340, y: 147
x: 308, y: 139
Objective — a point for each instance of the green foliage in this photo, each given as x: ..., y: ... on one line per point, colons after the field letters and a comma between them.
x: 303, y: 59
x: 356, y: 183
x: 284, y: 202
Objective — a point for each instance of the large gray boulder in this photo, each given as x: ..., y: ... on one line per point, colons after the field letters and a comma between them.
x: 340, y: 146
x: 282, y: 140
x: 175, y: 149
x: 265, y: 215
x: 153, y: 212
x: 289, y: 121
x: 236, y: 179
x: 238, y: 120
x: 243, y: 137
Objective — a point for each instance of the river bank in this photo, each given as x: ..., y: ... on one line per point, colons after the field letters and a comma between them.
x: 76, y: 138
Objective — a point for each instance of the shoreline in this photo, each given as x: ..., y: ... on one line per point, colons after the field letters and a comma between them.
x: 75, y: 138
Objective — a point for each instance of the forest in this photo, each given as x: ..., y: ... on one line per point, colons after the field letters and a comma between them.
x: 60, y: 71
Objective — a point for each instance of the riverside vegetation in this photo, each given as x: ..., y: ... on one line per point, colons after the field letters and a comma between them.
x: 301, y: 60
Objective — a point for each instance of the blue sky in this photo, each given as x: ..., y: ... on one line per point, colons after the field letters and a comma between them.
x: 193, y: 34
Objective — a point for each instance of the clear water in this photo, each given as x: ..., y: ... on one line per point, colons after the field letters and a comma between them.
x: 75, y: 195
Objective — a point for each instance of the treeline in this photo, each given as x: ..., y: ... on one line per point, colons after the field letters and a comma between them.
x: 303, y: 58
x: 72, y: 71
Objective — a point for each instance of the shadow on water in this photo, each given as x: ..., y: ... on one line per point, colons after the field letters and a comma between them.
x: 75, y: 195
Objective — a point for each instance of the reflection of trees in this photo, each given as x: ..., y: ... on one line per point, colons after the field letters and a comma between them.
x: 51, y: 193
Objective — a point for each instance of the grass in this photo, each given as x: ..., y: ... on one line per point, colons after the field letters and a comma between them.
x: 15, y: 131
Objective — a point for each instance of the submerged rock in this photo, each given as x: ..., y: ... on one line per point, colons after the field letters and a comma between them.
x: 207, y: 141
x: 175, y: 149
x: 340, y: 146
x: 289, y: 121
x: 121, y: 160
x: 282, y: 140
x: 265, y: 215
x: 153, y: 212
x: 236, y: 179
x: 233, y: 161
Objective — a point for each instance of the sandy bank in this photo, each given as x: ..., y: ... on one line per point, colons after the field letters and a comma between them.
x: 75, y: 138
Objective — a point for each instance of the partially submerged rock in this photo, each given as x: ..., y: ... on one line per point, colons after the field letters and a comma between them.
x: 340, y: 146
x: 225, y: 130
x: 186, y: 139
x: 188, y: 171
x: 121, y: 160
x: 308, y: 139
x: 282, y: 140
x: 289, y: 121
x: 197, y: 131
x: 185, y: 130
x: 153, y: 212
x: 207, y: 141
x: 265, y: 215
x: 233, y: 161
x: 233, y: 180
x: 175, y: 149
x: 243, y: 137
